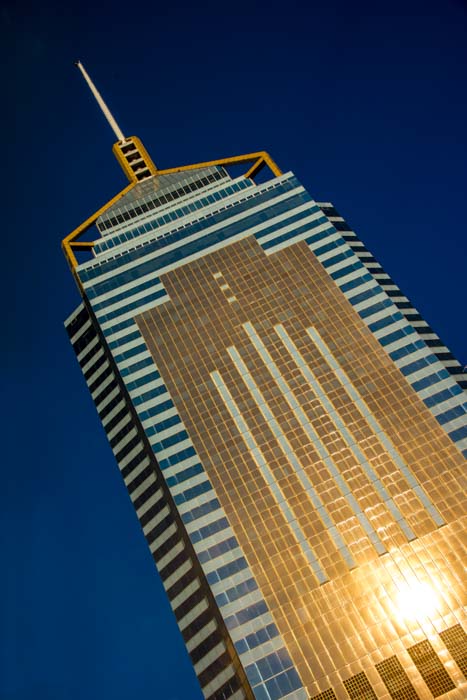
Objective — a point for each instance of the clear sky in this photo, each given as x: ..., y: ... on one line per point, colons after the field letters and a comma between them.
x: 364, y: 101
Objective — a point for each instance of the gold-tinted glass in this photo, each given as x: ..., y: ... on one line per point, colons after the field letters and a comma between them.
x: 455, y: 639
x: 396, y: 680
x: 359, y: 688
x: 328, y: 694
x: 387, y: 600
x: 431, y: 669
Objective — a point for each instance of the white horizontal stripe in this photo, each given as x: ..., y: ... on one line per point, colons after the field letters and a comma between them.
x: 125, y: 440
x: 156, y: 519
x: 200, y: 500
x: 259, y: 652
x: 99, y: 389
x: 118, y: 335
x: 151, y: 501
x: 160, y: 418
x: 210, y: 657
x: 375, y: 299
x: 145, y: 462
x: 258, y: 623
x: 121, y: 404
x: 290, y: 227
x: 159, y: 541
x: 241, y: 603
x: 351, y: 260
x: 169, y: 451
x: 206, y: 519
x: 95, y: 375
x: 177, y: 574
x: 211, y: 540
x: 180, y: 466
x: 414, y: 356
x: 218, y: 681
x: 128, y: 299
x: 193, y: 614
x: 452, y: 402
x: 183, y: 220
x: 185, y: 593
x: 73, y: 315
x: 167, y: 558
x: 455, y: 423
x: 149, y: 481
x: 210, y: 229
x: 228, y: 557
x: 86, y: 326
x: 100, y: 405
x: 392, y: 327
x: 127, y: 418
x: 168, y: 432
x: 322, y: 257
x: 297, y: 238
x: 143, y: 355
x: 129, y: 346
x: 201, y: 635
x: 133, y: 313
x: 378, y: 315
x: 234, y: 580
x: 95, y: 357
x: 144, y: 388
x: 95, y: 341
x: 152, y: 403
x: 355, y: 274
x: 188, y: 484
x: 127, y: 459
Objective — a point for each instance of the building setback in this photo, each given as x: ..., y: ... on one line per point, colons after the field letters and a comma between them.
x: 291, y: 433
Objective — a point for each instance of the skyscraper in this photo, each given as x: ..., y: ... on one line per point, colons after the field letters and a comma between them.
x: 291, y: 432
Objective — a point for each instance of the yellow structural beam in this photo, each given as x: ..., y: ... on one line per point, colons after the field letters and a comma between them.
x: 260, y: 156
x: 127, y: 151
x: 71, y: 243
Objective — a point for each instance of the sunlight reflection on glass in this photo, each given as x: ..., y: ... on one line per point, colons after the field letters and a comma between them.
x: 415, y: 600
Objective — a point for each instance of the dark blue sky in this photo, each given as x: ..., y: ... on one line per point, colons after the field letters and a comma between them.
x: 365, y: 101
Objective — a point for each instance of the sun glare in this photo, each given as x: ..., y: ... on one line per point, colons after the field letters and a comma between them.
x: 416, y: 600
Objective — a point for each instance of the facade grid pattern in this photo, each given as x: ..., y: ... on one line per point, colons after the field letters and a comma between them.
x: 275, y: 415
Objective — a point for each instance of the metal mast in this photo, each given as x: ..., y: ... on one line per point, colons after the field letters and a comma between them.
x: 106, y: 111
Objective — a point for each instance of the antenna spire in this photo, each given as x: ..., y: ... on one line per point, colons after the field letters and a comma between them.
x: 107, y: 114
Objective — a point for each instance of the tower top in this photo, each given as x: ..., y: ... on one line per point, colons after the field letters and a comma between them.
x: 99, y: 99
x: 129, y: 151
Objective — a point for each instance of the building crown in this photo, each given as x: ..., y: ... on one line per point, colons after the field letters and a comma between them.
x: 129, y: 151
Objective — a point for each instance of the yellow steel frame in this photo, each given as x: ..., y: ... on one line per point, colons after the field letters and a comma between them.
x: 120, y: 156
x: 71, y: 244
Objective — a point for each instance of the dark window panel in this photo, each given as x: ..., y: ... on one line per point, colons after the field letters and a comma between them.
x: 455, y: 640
x: 430, y: 668
x: 396, y: 680
x: 359, y: 688
x: 328, y: 694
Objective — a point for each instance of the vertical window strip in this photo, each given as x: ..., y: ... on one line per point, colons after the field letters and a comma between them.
x: 323, y: 452
x: 455, y: 640
x: 342, y: 429
x: 257, y: 455
x: 303, y: 420
x: 373, y: 423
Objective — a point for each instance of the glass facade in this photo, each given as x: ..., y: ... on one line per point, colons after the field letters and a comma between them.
x: 292, y: 436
